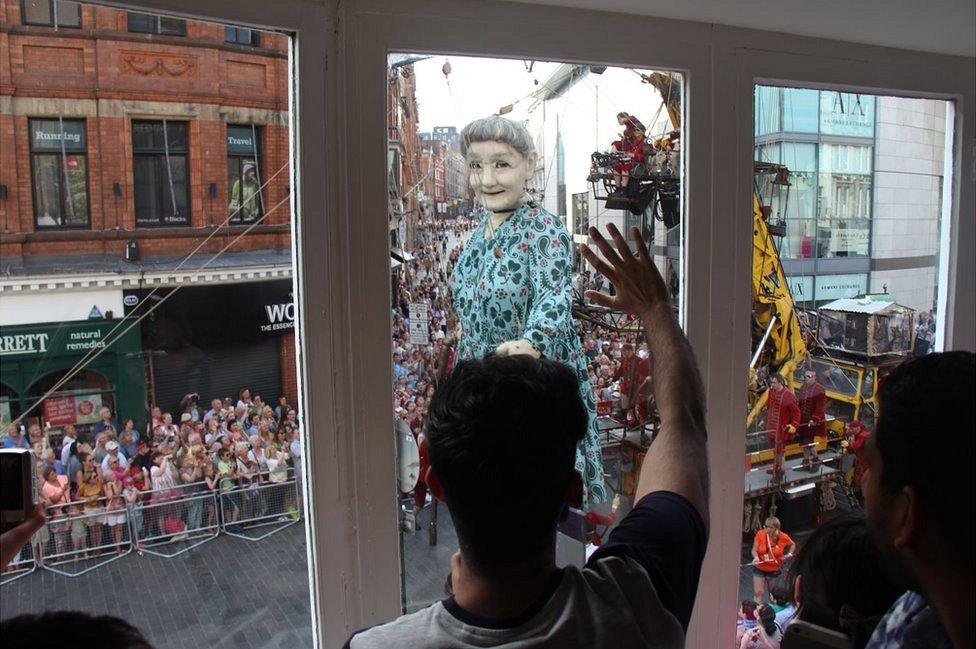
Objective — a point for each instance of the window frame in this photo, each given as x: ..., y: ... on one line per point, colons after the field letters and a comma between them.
x: 156, y: 154
x: 33, y: 194
x: 54, y: 23
x: 346, y: 446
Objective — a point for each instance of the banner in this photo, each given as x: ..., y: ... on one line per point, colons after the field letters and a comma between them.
x: 419, y: 332
x: 80, y: 409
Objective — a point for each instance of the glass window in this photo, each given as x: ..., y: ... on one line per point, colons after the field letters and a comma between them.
x: 53, y: 13
x: 845, y: 200
x: 244, y: 174
x: 152, y: 24
x: 59, y: 173
x: 160, y: 152
x: 768, y: 107
x: 845, y: 113
x: 241, y: 36
x: 800, y: 110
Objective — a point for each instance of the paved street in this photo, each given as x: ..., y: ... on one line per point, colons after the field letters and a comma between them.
x: 225, y: 593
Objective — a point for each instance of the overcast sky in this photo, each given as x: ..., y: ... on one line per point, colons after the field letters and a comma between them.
x: 478, y: 87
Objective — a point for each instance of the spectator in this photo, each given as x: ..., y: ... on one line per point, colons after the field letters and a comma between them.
x: 112, y: 453
x: 69, y: 437
x: 215, y: 412
x: 244, y: 399
x: 15, y: 437
x: 920, y: 506
x: 115, y: 517
x: 70, y: 629
x: 771, y: 547
x: 188, y: 406
x: 766, y: 635
x: 129, y: 438
x: 781, y: 598
x: 839, y: 580
x: 106, y: 423
x: 636, y: 589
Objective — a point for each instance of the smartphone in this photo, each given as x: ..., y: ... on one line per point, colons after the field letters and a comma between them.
x: 17, y: 486
x: 803, y: 635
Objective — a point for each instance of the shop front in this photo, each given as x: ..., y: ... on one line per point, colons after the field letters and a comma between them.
x: 35, y: 359
x: 215, y: 339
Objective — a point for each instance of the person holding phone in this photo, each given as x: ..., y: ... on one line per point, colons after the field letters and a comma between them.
x: 770, y: 548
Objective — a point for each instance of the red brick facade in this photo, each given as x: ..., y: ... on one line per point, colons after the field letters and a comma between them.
x: 108, y: 76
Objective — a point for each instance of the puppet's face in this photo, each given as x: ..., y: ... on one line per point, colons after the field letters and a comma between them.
x: 498, y: 174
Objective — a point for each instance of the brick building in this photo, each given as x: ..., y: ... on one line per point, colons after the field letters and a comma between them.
x: 406, y: 171
x: 133, y: 150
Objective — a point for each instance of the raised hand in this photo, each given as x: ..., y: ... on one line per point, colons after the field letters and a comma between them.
x: 638, y: 284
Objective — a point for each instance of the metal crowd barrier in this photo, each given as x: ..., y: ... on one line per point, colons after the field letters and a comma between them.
x: 260, y: 504
x: 22, y: 565
x: 164, y: 524
x: 76, y: 545
x: 185, y: 513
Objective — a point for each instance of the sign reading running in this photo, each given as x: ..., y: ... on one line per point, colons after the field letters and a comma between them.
x: 46, y: 134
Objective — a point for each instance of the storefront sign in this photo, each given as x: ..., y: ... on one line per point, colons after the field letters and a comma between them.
x: 46, y: 135
x: 419, y: 332
x: 849, y: 240
x: 801, y: 286
x: 845, y: 113
x: 57, y: 340
x: 240, y: 140
x: 834, y: 287
x: 74, y: 409
x: 280, y: 316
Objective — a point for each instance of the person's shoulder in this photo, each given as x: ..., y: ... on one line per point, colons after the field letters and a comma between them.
x: 418, y: 629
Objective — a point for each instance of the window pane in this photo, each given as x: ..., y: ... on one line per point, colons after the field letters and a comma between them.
x: 141, y: 22
x: 147, y: 189
x: 37, y: 12
x: 230, y: 34
x: 178, y: 136
x: 47, y: 189
x: 866, y: 192
x: 440, y: 292
x: 768, y: 107
x: 172, y: 26
x: 147, y: 136
x: 800, y: 108
x: 76, y: 198
x: 69, y: 14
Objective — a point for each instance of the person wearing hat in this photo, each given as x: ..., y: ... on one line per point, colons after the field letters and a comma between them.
x: 245, y: 195
x: 113, y: 454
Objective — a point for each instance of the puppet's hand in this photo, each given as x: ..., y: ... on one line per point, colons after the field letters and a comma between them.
x: 521, y: 346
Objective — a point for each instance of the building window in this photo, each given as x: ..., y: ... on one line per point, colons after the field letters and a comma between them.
x: 845, y: 200
x: 52, y: 13
x: 160, y: 159
x: 59, y: 173
x: 152, y: 24
x: 800, y: 110
x: 242, y: 36
x: 244, y: 174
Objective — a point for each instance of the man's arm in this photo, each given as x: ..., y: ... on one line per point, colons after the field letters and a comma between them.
x: 677, y: 459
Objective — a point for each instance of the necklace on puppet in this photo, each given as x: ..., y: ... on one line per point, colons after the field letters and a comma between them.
x: 497, y: 249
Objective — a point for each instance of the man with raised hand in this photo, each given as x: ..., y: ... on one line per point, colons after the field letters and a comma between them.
x: 502, y: 463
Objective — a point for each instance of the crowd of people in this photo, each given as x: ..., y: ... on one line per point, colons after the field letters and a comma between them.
x: 114, y: 484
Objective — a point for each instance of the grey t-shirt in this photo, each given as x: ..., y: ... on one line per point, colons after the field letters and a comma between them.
x: 637, y: 590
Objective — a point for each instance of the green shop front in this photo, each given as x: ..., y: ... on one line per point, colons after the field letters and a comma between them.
x: 34, y: 359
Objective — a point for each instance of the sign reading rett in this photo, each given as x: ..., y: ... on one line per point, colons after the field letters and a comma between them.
x: 23, y: 344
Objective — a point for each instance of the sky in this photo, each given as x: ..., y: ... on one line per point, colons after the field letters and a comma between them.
x: 478, y: 87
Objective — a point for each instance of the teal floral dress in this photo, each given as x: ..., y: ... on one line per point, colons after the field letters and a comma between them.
x: 525, y: 293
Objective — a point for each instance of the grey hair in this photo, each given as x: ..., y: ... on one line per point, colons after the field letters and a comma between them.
x: 497, y: 129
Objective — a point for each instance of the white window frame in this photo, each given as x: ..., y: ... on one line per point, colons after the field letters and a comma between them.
x: 339, y: 129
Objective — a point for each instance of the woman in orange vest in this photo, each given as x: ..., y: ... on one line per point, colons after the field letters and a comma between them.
x: 770, y: 549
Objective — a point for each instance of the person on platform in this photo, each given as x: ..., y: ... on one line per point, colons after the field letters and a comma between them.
x: 857, y: 437
x: 512, y: 283
x: 491, y: 445
x: 812, y: 400
x: 919, y: 499
x: 770, y: 548
x: 782, y: 419
x: 633, y: 374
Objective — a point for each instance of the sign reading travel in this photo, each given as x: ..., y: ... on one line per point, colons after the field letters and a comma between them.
x: 240, y: 140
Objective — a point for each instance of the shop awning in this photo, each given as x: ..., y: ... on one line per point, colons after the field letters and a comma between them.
x: 400, y: 255
x: 394, y: 263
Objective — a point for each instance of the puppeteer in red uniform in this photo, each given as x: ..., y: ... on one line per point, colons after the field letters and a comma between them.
x: 812, y: 400
x: 632, y: 374
x: 782, y: 420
